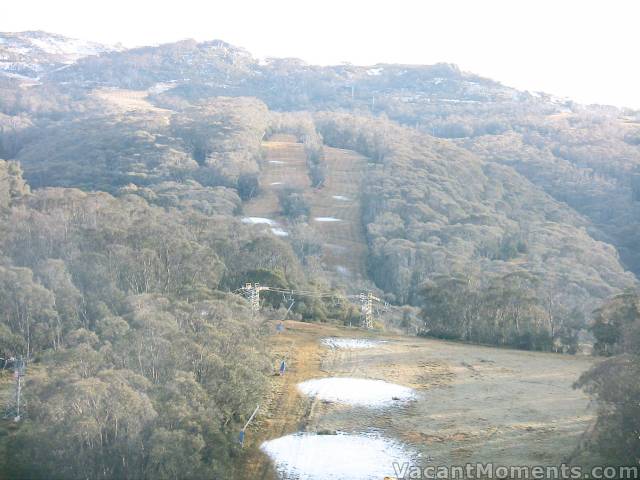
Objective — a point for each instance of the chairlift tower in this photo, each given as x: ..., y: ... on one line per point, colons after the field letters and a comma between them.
x: 252, y: 292
x: 366, y: 310
x: 14, y: 408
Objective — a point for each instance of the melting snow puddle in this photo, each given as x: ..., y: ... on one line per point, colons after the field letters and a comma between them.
x: 327, y: 219
x: 306, y: 456
x: 279, y: 232
x: 341, y: 197
x: 360, y: 392
x: 259, y: 221
x: 335, y: 342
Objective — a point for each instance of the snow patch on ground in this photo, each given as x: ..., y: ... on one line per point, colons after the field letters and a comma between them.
x: 374, y: 72
x: 275, y: 228
x: 17, y: 76
x: 161, y: 87
x: 335, y: 342
x: 306, y: 456
x: 279, y: 232
x: 259, y: 221
x: 361, y: 392
x: 327, y: 219
x: 343, y: 270
x: 8, y: 66
x: 21, y: 50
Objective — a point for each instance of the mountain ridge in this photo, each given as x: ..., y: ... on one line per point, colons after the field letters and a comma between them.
x: 32, y: 53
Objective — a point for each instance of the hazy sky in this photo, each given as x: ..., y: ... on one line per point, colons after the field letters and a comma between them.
x: 584, y: 49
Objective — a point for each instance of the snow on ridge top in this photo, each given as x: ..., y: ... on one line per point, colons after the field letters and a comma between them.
x: 71, y: 48
x: 55, y: 48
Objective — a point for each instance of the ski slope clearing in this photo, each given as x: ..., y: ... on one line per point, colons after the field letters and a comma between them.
x: 472, y: 403
x: 122, y: 101
x: 335, y: 209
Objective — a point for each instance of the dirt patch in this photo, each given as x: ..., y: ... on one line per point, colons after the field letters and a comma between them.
x: 420, y: 437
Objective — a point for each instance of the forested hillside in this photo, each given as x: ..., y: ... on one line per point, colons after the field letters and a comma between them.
x: 441, y: 222
x: 141, y: 364
x: 126, y: 180
x: 585, y: 156
x: 520, y: 184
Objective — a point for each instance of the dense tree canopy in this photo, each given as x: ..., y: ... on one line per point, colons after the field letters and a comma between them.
x: 614, y: 383
x: 141, y: 367
x: 433, y: 210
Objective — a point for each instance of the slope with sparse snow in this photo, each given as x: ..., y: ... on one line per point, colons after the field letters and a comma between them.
x: 30, y: 54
